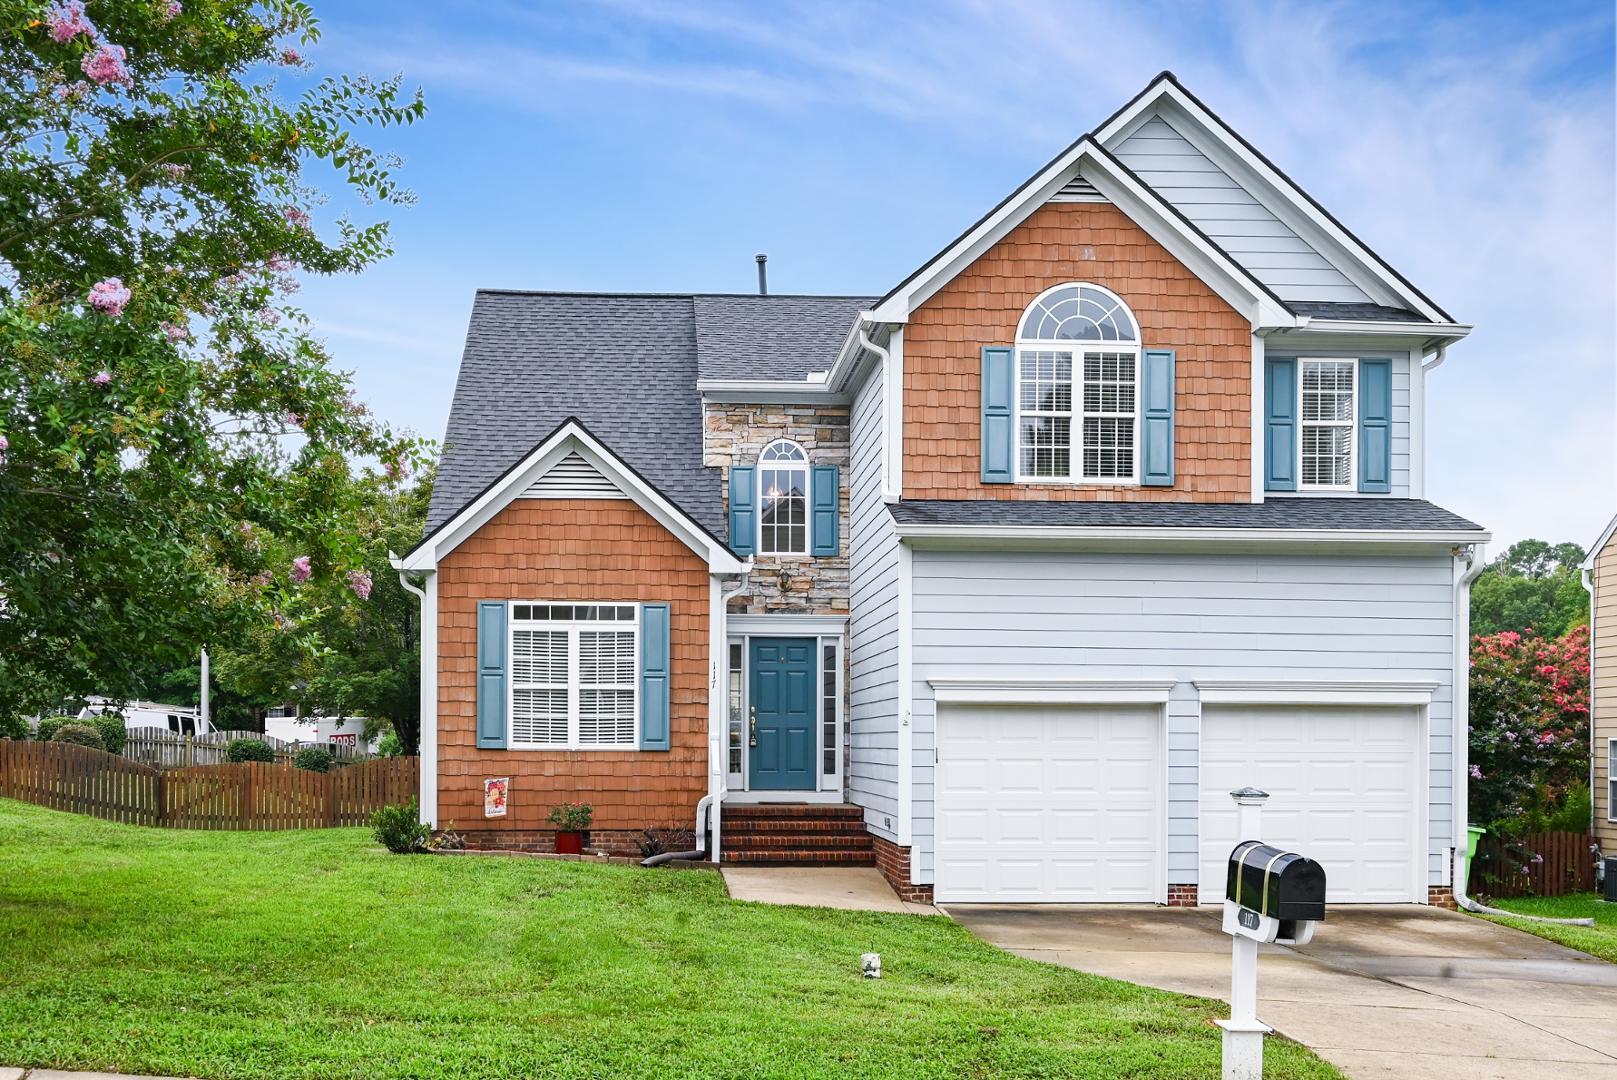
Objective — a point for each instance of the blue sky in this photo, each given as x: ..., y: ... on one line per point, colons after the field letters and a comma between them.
x: 637, y: 146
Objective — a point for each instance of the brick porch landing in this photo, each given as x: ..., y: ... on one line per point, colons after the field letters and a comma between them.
x: 795, y: 834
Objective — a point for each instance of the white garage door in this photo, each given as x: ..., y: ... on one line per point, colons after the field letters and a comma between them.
x: 1342, y: 784
x: 1049, y: 805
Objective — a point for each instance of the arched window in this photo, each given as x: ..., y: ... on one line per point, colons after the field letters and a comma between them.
x: 783, y: 488
x: 1077, y: 367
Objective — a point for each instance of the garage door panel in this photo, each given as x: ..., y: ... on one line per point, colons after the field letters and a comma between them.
x: 1342, y: 784
x: 1069, y: 811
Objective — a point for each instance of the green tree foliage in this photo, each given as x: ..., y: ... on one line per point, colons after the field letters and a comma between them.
x: 1533, y: 586
x: 175, y: 447
x: 1529, y: 728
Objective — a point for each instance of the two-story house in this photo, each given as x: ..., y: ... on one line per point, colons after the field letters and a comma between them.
x: 1002, y: 580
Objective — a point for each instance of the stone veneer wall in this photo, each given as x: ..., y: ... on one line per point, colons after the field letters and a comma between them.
x: 736, y: 434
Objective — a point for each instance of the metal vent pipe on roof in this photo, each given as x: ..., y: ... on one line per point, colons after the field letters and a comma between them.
x: 763, y: 275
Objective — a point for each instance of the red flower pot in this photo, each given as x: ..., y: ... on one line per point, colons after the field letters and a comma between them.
x: 569, y: 843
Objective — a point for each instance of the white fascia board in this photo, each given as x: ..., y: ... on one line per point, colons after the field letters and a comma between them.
x: 1594, y: 551
x: 570, y: 438
x: 1280, y: 195
x: 1315, y: 691
x: 1015, y: 691
x: 1432, y: 333
x: 1078, y: 535
x: 770, y: 391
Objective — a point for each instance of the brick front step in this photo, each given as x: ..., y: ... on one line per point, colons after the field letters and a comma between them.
x: 800, y: 811
x: 787, y: 842
x: 801, y: 858
x: 778, y: 826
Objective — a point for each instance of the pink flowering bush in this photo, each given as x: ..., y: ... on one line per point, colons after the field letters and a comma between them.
x: 360, y: 582
x: 101, y: 378
x: 1529, y: 726
x: 301, y: 570
x: 175, y: 332
x: 67, y: 21
x: 105, y: 65
x: 109, y: 296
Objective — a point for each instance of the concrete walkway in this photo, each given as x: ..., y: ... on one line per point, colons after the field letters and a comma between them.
x: 852, y: 888
x: 1406, y: 992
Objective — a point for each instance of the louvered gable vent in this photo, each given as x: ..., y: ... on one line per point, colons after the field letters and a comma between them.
x: 573, y: 478
x: 1078, y: 190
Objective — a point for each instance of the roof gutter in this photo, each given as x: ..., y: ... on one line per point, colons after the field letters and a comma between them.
x: 1169, y: 534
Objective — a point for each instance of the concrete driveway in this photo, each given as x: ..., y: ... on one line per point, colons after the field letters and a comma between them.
x: 1408, y: 992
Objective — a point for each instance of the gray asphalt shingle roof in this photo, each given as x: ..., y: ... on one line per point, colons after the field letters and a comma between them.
x: 1275, y: 513
x: 1321, y: 309
x: 623, y: 365
x: 771, y: 337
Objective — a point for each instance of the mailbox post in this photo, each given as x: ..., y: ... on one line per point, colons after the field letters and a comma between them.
x: 1270, y: 896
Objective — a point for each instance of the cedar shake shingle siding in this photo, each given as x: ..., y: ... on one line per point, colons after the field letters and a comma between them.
x: 565, y: 549
x: 982, y: 305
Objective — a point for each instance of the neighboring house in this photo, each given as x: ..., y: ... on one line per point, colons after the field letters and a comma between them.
x: 1600, y: 578
x: 1114, y: 505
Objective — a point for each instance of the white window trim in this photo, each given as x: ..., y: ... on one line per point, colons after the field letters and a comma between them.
x: 573, y: 628
x: 1611, y: 781
x: 1075, y: 434
x: 808, y: 498
x: 1352, y: 425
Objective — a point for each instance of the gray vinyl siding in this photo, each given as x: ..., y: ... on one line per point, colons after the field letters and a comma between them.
x: 1183, y: 617
x: 1232, y: 216
x: 873, y: 622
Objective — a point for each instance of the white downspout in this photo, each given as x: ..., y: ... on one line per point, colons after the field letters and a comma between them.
x: 718, y: 722
x: 427, y: 733
x: 1587, y: 574
x: 889, y: 491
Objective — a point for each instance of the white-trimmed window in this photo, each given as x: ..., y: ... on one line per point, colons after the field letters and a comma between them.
x: 783, y: 493
x: 1077, y: 388
x: 575, y: 676
x: 1326, y: 435
x: 1611, y: 780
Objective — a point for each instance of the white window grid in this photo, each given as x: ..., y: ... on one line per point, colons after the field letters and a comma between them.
x: 1327, y: 410
x: 574, y: 676
x: 1077, y: 389
x: 1611, y: 780
x: 783, y: 498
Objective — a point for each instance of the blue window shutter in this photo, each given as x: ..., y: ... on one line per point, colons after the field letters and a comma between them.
x: 1280, y: 428
x: 1375, y: 426
x: 1156, y: 435
x: 743, y: 509
x: 827, y: 494
x: 998, y: 389
x: 491, y: 674
x: 654, y: 660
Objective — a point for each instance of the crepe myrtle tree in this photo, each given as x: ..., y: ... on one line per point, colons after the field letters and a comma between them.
x: 175, y: 447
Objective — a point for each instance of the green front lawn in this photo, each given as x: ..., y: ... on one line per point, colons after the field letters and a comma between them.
x: 1597, y: 940
x: 317, y: 954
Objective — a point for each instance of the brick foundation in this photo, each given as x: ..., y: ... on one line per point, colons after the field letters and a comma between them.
x: 1181, y: 896
x: 614, y: 842
x: 894, y: 863
x: 1441, y: 896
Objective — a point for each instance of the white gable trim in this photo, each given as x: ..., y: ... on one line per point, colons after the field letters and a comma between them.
x: 570, y: 438
x: 1283, y: 198
x: 1105, y: 174
x: 1599, y: 545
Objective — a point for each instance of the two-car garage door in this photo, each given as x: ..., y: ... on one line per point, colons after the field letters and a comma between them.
x: 1067, y: 804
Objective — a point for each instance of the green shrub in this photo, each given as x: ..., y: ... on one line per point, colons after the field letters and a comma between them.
x: 400, y: 829
x: 389, y: 745
x: 249, y: 750
x: 572, y: 817
x: 50, y: 725
x: 315, y: 759
x: 1575, y: 812
x: 13, y: 727
x: 110, y: 726
x: 79, y: 734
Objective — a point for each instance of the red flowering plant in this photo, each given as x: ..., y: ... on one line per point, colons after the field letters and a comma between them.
x: 1529, y: 726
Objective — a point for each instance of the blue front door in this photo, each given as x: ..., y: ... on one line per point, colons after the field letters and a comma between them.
x: 781, y: 739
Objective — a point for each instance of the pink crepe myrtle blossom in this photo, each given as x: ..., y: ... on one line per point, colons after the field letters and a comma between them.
x: 105, y: 65
x: 293, y: 419
x: 290, y: 57
x: 278, y: 263
x: 301, y: 570
x: 101, y: 378
x: 1476, y: 772
x: 174, y: 170
x: 298, y: 219
x: 172, y: 11
x: 5, y: 444
x: 360, y: 582
x: 109, y: 296
x: 67, y: 21
x: 262, y: 579
x: 269, y: 316
x: 288, y: 285
x: 72, y: 93
x: 175, y: 332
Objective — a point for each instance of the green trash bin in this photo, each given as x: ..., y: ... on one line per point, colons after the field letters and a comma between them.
x: 1473, y: 833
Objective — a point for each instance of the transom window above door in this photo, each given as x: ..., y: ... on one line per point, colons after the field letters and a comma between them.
x: 783, y: 493
x: 1077, y: 379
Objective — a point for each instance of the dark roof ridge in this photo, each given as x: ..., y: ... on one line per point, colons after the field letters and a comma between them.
x: 610, y: 294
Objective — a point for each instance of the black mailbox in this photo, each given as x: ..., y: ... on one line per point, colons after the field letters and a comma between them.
x: 1279, y: 884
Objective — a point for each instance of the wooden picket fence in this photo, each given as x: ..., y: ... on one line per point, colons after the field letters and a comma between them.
x: 169, y: 750
x: 250, y: 795
x: 1556, y: 863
